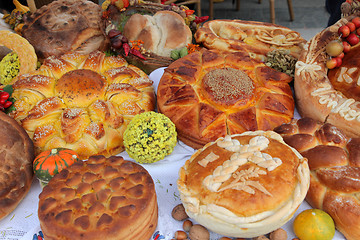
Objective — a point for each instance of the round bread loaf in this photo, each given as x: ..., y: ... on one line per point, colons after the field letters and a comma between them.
x: 16, y: 157
x: 244, y: 185
x: 210, y: 94
x: 334, y: 162
x: 81, y: 102
x: 257, y: 38
x: 161, y: 33
x: 63, y: 26
x: 101, y: 198
x: 331, y: 96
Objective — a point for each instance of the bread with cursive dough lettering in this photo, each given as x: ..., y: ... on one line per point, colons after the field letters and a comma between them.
x: 334, y: 161
x: 329, y: 95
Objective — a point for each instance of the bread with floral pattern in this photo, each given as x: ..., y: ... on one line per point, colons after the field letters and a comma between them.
x: 210, y: 94
x: 81, y: 102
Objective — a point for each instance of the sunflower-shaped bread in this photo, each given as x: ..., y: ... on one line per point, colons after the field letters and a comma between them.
x: 211, y: 94
x: 81, y: 102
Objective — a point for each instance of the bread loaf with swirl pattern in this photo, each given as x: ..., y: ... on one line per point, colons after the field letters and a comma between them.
x: 81, y: 102
x: 334, y: 161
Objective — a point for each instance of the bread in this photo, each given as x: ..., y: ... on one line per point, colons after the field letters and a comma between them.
x: 63, y: 26
x: 334, y: 161
x: 210, y: 94
x: 161, y: 33
x: 25, y: 51
x: 257, y: 38
x: 81, y: 102
x: 319, y: 94
x: 244, y: 185
x: 16, y: 158
x: 101, y: 198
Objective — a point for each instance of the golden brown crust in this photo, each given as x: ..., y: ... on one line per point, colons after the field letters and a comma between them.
x: 161, y: 33
x: 82, y: 102
x: 334, y: 163
x: 238, y: 180
x: 63, y: 26
x: 99, y: 198
x: 257, y: 38
x: 209, y: 94
x: 316, y: 96
x: 16, y: 157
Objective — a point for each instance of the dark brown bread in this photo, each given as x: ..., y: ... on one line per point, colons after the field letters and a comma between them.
x: 63, y: 26
x: 16, y: 158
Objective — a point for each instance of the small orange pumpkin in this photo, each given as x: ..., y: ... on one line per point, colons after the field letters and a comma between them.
x: 51, y: 162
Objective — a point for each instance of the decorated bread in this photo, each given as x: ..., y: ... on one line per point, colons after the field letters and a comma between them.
x: 210, y: 94
x: 63, y: 26
x: 160, y: 33
x: 101, y: 198
x: 244, y: 185
x: 334, y: 162
x: 81, y: 102
x: 257, y: 38
x: 148, y: 32
x: 17, y: 155
x: 19, y: 56
x: 330, y: 95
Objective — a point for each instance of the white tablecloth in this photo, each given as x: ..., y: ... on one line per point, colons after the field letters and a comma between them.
x: 23, y: 223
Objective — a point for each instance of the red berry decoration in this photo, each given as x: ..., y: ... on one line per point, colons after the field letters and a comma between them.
x: 331, y: 63
x: 341, y: 55
x: 347, y: 46
x: 338, y: 61
x: 356, y: 21
x: 353, y: 39
x: 344, y: 31
x: 351, y: 26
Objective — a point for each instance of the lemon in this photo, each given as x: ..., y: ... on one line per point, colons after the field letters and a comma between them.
x: 314, y: 224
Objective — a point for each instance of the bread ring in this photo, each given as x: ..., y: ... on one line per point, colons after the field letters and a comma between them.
x: 22, y: 48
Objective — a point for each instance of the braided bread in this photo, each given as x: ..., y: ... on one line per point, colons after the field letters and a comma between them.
x: 334, y: 162
x: 81, y: 102
x: 244, y: 185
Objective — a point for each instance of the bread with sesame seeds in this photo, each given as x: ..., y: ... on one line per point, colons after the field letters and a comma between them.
x: 81, y: 102
x: 16, y: 158
x: 63, y: 26
x: 210, y: 94
x: 101, y: 198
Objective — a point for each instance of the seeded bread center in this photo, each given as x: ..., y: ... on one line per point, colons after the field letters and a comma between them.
x: 80, y: 88
x: 228, y: 85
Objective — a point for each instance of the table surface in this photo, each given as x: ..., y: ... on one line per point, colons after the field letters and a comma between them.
x: 23, y: 222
